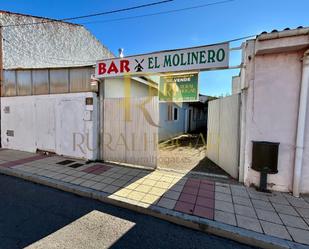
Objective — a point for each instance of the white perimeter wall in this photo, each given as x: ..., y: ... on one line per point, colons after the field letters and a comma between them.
x: 50, y: 123
x: 223, y: 133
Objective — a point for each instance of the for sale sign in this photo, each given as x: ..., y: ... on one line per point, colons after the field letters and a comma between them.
x: 190, y: 59
x: 179, y: 88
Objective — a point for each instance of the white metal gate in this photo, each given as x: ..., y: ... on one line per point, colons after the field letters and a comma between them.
x: 223, y: 133
x: 130, y: 131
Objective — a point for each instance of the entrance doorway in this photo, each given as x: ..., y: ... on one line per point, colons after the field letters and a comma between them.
x: 172, y: 133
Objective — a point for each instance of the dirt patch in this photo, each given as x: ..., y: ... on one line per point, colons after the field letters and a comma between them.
x: 187, y: 153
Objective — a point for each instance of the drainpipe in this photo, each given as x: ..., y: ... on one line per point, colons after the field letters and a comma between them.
x: 301, y: 125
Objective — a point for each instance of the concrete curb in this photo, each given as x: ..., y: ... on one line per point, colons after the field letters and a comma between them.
x: 213, y: 227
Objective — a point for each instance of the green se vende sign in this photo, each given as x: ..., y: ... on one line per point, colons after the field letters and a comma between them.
x: 179, y: 88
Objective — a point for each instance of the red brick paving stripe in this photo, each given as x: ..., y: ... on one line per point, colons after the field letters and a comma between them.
x: 190, y: 190
x: 99, y: 171
x: 197, y: 198
x: 92, y: 168
x: 184, y: 207
x: 209, y: 182
x: 207, y: 187
x: 206, y: 193
x: 205, y: 202
x: 192, y: 182
x: 96, y: 169
x: 22, y: 161
x: 187, y: 198
x: 203, y: 212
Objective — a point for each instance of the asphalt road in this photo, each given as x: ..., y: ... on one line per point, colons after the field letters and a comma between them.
x: 41, y: 217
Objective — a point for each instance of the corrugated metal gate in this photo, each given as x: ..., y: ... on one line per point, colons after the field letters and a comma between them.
x: 223, y: 133
x: 130, y: 131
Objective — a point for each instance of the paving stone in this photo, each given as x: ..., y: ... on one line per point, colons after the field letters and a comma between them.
x: 298, y: 202
x: 69, y: 178
x: 239, y: 191
x: 268, y: 216
x: 181, y: 182
x: 190, y: 190
x: 207, y: 187
x: 225, y: 217
x: 108, y: 180
x: 172, y: 194
x: 275, y: 230
x: 224, y: 206
x: 265, y: 205
x: 88, y: 183
x: 143, y: 188
x: 204, y: 212
x: 304, y: 212
x: 149, y: 182
x: 88, y: 176
x: 110, y: 189
x: 98, y: 186
x: 78, y: 181
x: 167, y: 203
x: 205, y: 202
x: 306, y: 198
x: 177, y: 187
x: 249, y: 223
x: 78, y: 173
x: 184, y: 207
x: 132, y: 186
x: 187, y: 198
x: 223, y: 197
x: 299, y: 235
x: 119, y: 183
x: 285, y: 209
x: 258, y: 196
x: 242, y: 201
x: 293, y: 221
x: 162, y: 185
x: 279, y: 199
x: 58, y: 176
x: 245, y: 211
x: 167, y: 179
x: 157, y: 191
x: 151, y: 199
x: 206, y: 193
x: 135, y: 195
x: 123, y: 192
x: 223, y: 189
x: 193, y: 182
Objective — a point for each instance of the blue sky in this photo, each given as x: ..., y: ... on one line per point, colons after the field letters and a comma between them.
x: 195, y: 27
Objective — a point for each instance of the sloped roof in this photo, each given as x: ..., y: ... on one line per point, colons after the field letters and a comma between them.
x: 49, y: 44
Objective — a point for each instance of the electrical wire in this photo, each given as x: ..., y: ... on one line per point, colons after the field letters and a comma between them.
x: 158, y: 13
x: 91, y: 15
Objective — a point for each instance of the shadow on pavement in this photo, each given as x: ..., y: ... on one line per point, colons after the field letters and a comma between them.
x: 30, y: 212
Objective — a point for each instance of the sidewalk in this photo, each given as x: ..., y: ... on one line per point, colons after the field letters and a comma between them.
x: 228, y: 210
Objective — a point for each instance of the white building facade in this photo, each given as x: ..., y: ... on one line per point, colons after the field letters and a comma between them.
x: 47, y: 102
x: 274, y: 88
